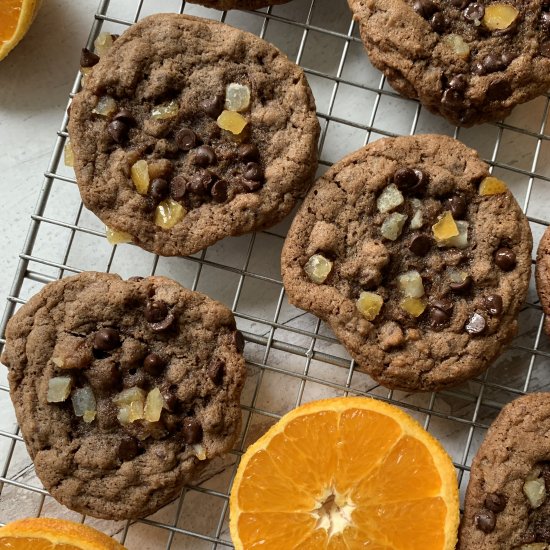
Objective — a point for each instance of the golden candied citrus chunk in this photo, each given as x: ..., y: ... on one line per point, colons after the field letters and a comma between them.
x: 345, y: 473
x: 53, y: 534
x: 492, y: 186
x: 16, y: 16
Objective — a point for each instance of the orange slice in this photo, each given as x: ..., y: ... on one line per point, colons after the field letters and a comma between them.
x: 53, y: 534
x: 344, y: 474
x: 16, y: 16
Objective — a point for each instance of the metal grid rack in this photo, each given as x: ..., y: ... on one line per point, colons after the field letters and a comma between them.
x: 292, y: 357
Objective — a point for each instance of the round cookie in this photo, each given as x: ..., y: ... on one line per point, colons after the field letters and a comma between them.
x: 470, y: 62
x: 512, y: 462
x: 542, y: 276
x: 417, y: 259
x: 188, y: 131
x: 238, y: 4
x: 124, y: 390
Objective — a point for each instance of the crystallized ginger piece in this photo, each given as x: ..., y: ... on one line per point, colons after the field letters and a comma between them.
x: 499, y: 17
x: 318, y: 268
x: 492, y: 186
x: 169, y: 213
x: 232, y: 122
x: 369, y: 304
x: 414, y: 306
x: 445, y: 228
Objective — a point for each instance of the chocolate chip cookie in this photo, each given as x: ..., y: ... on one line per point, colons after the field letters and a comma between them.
x: 417, y: 258
x: 238, y: 4
x: 123, y: 390
x: 542, y: 276
x: 188, y: 131
x: 507, y: 503
x: 468, y: 61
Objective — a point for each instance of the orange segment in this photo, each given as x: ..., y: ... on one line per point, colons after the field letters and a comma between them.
x: 53, y: 534
x: 16, y: 17
x: 344, y: 474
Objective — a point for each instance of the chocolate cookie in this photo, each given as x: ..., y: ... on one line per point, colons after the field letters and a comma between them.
x: 468, y: 61
x: 188, y: 130
x: 238, y: 4
x: 123, y: 390
x: 542, y: 276
x: 507, y: 503
x: 417, y: 258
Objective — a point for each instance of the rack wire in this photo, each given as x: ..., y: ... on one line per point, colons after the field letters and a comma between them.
x: 292, y: 357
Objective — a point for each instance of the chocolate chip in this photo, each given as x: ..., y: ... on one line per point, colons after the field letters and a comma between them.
x: 106, y: 339
x: 545, y: 21
x: 425, y: 8
x: 118, y: 130
x: 170, y: 401
x: 459, y: 83
x: 462, y: 287
x: 493, y: 63
x: 124, y: 115
x: 505, y: 259
x: 458, y: 206
x: 219, y: 191
x: 452, y: 97
x: 88, y: 58
x: 135, y: 278
x: 216, y: 370
x: 186, y: 139
x: 156, y: 311
x: 165, y: 324
x: 238, y: 338
x: 201, y: 183
x: 444, y: 305
x: 191, y: 431
x: 408, y: 179
x: 439, y: 22
x: 154, y: 364
x: 545, y: 49
x: 159, y: 189
x: 476, y: 324
x: 128, y: 448
x: 213, y: 106
x: 205, y: 156
x: 250, y: 186
x: 248, y: 152
x: 493, y: 304
x: 438, y: 317
x: 421, y: 244
x: 495, y: 502
x: 474, y: 12
x: 178, y: 188
x: 485, y: 521
x: 253, y: 172
x: 498, y: 90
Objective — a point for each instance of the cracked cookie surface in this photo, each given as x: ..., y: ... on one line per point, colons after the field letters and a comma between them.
x: 123, y: 390
x: 188, y: 131
x: 468, y: 61
x: 417, y: 258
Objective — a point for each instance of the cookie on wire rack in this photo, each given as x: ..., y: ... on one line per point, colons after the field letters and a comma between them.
x: 188, y: 131
x: 417, y: 258
x: 124, y: 390
x: 542, y: 276
x: 238, y: 4
x: 468, y: 61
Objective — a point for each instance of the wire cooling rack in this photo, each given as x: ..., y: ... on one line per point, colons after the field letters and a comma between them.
x: 292, y: 357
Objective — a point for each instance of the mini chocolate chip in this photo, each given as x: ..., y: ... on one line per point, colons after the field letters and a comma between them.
x: 545, y: 49
x: 127, y: 448
x: 493, y: 304
x: 438, y: 317
x: 156, y: 311
x: 544, y: 22
x: 439, y: 22
x: 421, y: 244
x: 205, y: 156
x: 458, y: 206
x: 118, y: 130
x: 452, y: 97
x: 213, y: 106
x: 170, y: 401
x: 201, y: 183
x: 425, y: 8
x: 178, y: 188
x: 88, y: 58
x: 106, y: 339
x: 464, y: 286
x: 474, y: 12
x: 443, y: 304
x: 505, y: 258
x: 165, y: 324
x: 135, y: 278
x: 498, y: 90
x: 476, y: 324
x: 186, y: 139
x: 159, y: 189
x: 219, y: 191
x: 459, y: 83
x: 253, y: 172
x: 485, y: 521
x: 408, y: 179
x: 495, y: 502
x: 154, y: 364
x: 124, y: 115
x: 238, y: 338
x: 250, y: 186
x: 248, y: 152
x: 191, y: 431
x: 216, y: 370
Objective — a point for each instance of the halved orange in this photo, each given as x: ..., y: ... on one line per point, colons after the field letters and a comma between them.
x: 16, y: 16
x: 53, y: 534
x: 345, y: 473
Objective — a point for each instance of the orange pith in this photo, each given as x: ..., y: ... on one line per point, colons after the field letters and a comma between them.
x: 53, y: 534
x: 16, y: 16
x: 345, y: 473
x: 9, y: 15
